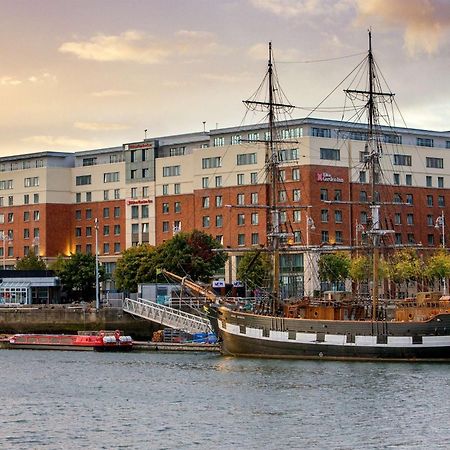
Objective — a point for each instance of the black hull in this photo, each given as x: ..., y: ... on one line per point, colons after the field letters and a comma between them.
x: 251, y: 335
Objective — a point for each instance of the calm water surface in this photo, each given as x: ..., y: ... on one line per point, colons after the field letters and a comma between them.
x: 74, y: 400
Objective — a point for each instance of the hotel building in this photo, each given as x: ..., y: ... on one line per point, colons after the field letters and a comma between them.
x: 145, y: 192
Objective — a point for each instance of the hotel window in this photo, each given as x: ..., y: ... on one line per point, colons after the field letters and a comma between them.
x: 106, y: 195
x: 236, y: 139
x: 441, y: 200
x: 337, y: 195
x: 218, y: 180
x: 89, y: 161
x: 145, y: 172
x: 106, y: 213
x: 116, y: 247
x: 330, y: 154
x: 177, y: 188
x: 408, y: 179
x: 397, y: 198
x: 324, y: 194
x: 145, y: 190
x: 88, y: 196
x: 176, y: 208
x: 255, y: 238
x: 402, y: 160
x: 325, y: 236
x: 10, y: 217
x: 324, y: 215
x: 254, y: 177
x: 106, y: 247
x: 144, y: 211
x: 297, y: 237
x: 176, y: 226
x: 282, y: 175
x: 83, y: 180
x: 245, y: 159
x: 211, y: 163
x: 88, y: 231
x: 338, y: 216
x: 26, y: 199
x: 397, y: 219
x: 110, y: 177
x: 321, y: 132
x: 282, y: 196
x: 219, y: 201
x: 165, y: 208
x: 133, y: 174
x: 411, y: 239
x: 363, y: 196
x: 290, y: 154
x: 206, y: 221
x: 409, y: 199
x: 363, y: 217
x: 254, y: 218
x: 134, y: 192
x: 435, y: 163
x: 430, y: 239
x: 31, y: 182
x: 144, y: 154
x: 36, y: 233
x: 296, y: 195
x: 36, y: 215
x: 132, y: 155
x: 254, y: 198
x: 6, y: 184
x: 88, y: 213
x: 429, y: 181
x: 35, y: 198
x: 205, y: 202
x: 362, y: 176
x: 116, y: 212
x: 240, y: 179
x: 117, y: 229
x: 26, y: 216
x: 219, y: 221
x: 26, y: 233
x: 219, y: 141
x: 396, y: 178
x: 253, y: 136
x: 283, y: 217
x: 105, y: 230
x: 440, y: 182
x: 116, y: 194
x: 78, y: 197
x: 296, y: 215
x: 171, y: 171
x: 205, y: 182
x: 77, y: 248
x: 241, y: 239
x: 135, y: 212
x: 425, y: 142
x: 240, y: 199
x: 78, y: 232
x: 89, y: 249
x: 165, y: 189
x: 338, y: 237
x: 410, y: 219
x: 241, y: 219
x: 296, y: 174
x: 430, y: 221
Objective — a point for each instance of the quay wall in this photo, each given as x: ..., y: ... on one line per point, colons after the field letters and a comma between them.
x: 71, y: 319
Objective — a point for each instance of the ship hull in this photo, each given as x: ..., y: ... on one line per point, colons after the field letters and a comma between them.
x: 250, y: 335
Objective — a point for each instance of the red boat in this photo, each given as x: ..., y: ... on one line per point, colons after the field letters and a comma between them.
x: 101, y: 341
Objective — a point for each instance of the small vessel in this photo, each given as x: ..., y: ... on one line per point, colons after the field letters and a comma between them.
x: 333, y: 327
x: 101, y: 341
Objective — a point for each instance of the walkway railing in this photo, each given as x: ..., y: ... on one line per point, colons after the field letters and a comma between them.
x: 166, y: 316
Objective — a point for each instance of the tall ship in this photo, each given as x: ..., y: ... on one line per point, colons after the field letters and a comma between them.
x: 338, y: 326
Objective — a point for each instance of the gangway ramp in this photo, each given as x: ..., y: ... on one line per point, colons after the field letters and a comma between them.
x: 167, y: 316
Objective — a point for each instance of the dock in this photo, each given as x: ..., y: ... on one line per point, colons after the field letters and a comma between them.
x: 174, y: 347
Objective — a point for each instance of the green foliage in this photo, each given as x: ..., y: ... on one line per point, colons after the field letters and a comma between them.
x: 334, y: 267
x: 31, y: 262
x: 137, y: 265
x: 361, y: 268
x: 405, y: 266
x: 255, y: 269
x: 438, y: 266
x: 77, y: 274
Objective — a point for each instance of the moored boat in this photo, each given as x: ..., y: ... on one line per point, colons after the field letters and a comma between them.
x: 101, y: 341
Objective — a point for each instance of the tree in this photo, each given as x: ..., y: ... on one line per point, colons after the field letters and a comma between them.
x: 255, y: 269
x: 137, y: 265
x: 438, y: 266
x: 405, y: 266
x: 31, y: 262
x: 77, y: 274
x: 196, y: 254
x: 334, y: 267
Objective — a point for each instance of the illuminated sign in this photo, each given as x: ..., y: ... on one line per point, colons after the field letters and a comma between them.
x: 142, y: 201
x: 328, y: 178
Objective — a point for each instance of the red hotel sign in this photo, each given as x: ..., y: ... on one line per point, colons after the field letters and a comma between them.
x: 328, y: 178
x: 143, y: 201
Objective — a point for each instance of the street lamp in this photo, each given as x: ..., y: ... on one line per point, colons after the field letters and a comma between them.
x: 309, y: 226
x: 440, y: 224
x: 4, y: 237
x: 97, y: 297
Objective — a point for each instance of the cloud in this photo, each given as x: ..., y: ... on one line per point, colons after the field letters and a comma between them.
x: 225, y: 78
x: 195, y: 43
x: 128, y: 46
x: 297, y: 8
x: 9, y: 81
x: 111, y: 93
x: 97, y: 126
x: 424, y: 23
x: 60, y: 142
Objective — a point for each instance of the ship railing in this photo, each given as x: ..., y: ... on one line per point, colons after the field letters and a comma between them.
x: 167, y: 316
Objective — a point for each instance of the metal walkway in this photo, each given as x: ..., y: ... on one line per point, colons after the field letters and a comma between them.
x: 169, y: 317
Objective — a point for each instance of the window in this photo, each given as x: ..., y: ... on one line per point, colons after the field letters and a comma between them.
x: 177, y: 188
x: 31, y: 182
x: 254, y: 198
x: 110, y: 177
x: 177, y: 151
x: 440, y: 182
x: 362, y: 196
x: 392, y: 139
x: 363, y: 217
x: 176, y: 226
x: 105, y: 230
x: 205, y: 202
x: 255, y: 238
x: 88, y: 196
x: 296, y: 174
x: 289, y: 154
x: 133, y: 174
x: 408, y: 179
x: 402, y: 160
x: 241, y: 219
x: 219, y: 141
x: 253, y: 177
x: 26, y: 216
x: 171, y: 171
x: 106, y: 213
x: 254, y: 218
x: 321, y: 132
x: 323, y: 194
x: 430, y: 239
x: 83, y: 180
x: 362, y: 176
x: 397, y: 219
x: 132, y: 155
x: 90, y: 161
x: 89, y: 249
x: 116, y: 194
x: 441, y: 200
x: 281, y: 175
x: 337, y: 195
x: 219, y: 221
x: 296, y: 195
x: 283, y: 217
x: 176, y: 208
x: 26, y: 233
x: 245, y: 159
x: 409, y: 199
x: 165, y: 189
x: 324, y: 215
x: 240, y: 199
x: 116, y: 212
x: 205, y: 182
x: 253, y: 136
x: 218, y: 180
x: 330, y: 154
x: 435, y: 163
x: 206, y: 221
x: 241, y: 239
x: 78, y: 197
x: 134, y: 192
x: 219, y: 201
x: 10, y: 217
x: 6, y: 184
x: 338, y: 216
x: 397, y: 198
x: 296, y: 215
x: 236, y: 139
x: 35, y: 198
x: 425, y: 142
x: 240, y: 179
x: 429, y: 182
x: 117, y: 229
x: 410, y: 219
x: 411, y: 239
x: 105, y: 195
x: 396, y: 178
x: 282, y: 196
x: 36, y: 215
x: 430, y: 221
x: 324, y: 235
x: 165, y: 208
x: 88, y: 231
x: 135, y: 212
x: 145, y: 172
x: 116, y: 247
x: 78, y: 248
x: 106, y: 247
x: 211, y: 163
x: 338, y: 237
x: 89, y: 214
x: 297, y: 237
x: 144, y: 154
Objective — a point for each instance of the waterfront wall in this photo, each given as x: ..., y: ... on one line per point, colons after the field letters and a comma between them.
x: 69, y: 319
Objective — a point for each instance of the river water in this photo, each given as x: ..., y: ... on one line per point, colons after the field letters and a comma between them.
x: 76, y: 400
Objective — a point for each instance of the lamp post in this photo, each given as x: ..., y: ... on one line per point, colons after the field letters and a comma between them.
x: 97, y: 297
x: 309, y: 226
x: 4, y: 237
x: 440, y: 224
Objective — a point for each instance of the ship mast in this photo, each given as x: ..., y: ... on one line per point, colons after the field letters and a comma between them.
x: 373, y: 151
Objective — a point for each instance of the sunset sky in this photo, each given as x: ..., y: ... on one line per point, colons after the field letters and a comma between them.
x: 84, y: 74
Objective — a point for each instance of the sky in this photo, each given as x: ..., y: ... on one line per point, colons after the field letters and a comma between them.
x: 84, y: 74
